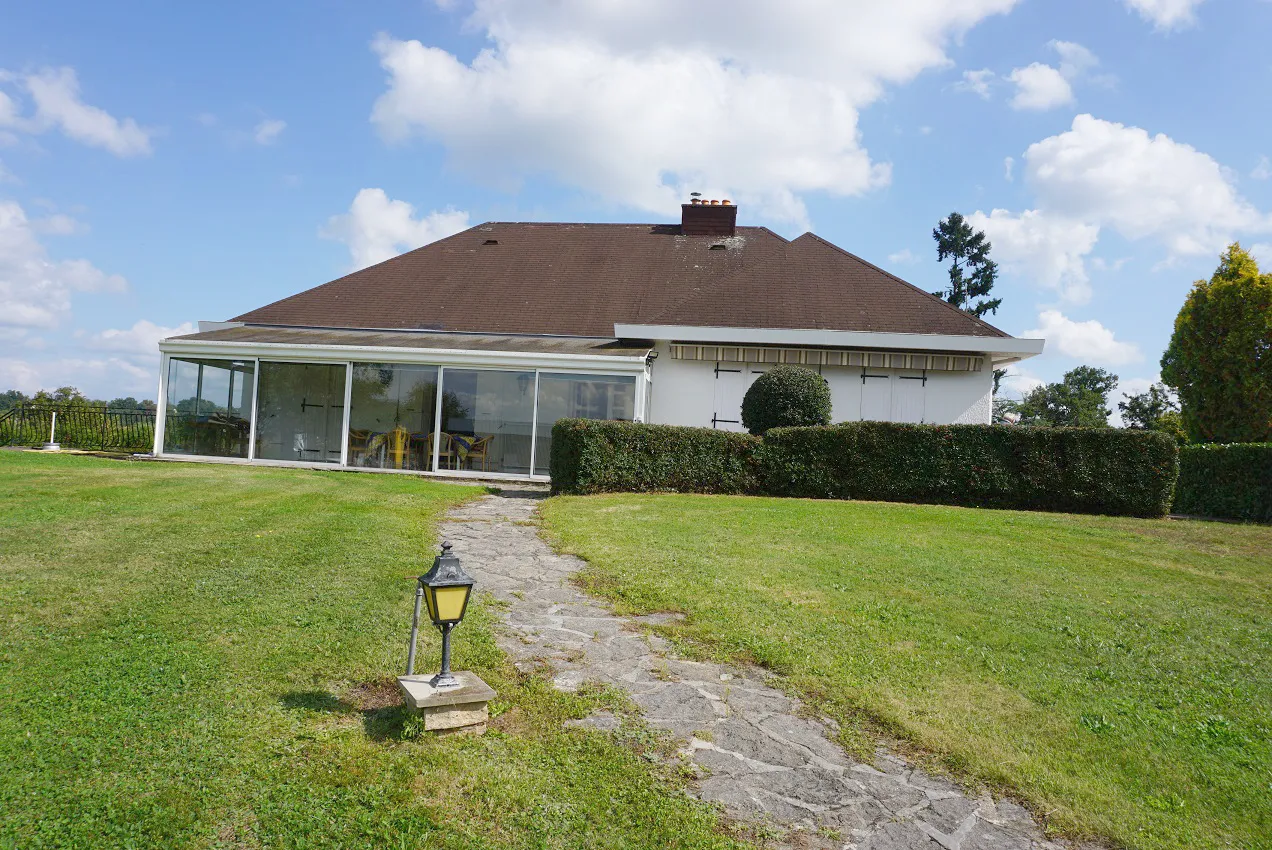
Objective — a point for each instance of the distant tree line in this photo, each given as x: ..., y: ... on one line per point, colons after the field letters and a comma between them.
x: 70, y: 396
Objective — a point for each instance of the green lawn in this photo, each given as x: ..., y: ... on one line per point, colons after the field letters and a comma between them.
x: 1116, y: 674
x: 202, y: 656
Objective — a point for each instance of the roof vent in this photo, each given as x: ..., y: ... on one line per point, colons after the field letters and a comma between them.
x: 491, y: 242
x: 719, y: 246
x: 708, y: 218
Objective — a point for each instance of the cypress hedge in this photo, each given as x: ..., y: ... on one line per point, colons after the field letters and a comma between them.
x: 1076, y: 470
x: 590, y: 456
x: 1229, y: 481
x: 1072, y: 470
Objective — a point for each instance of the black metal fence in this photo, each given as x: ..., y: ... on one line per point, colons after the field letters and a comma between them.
x: 78, y: 427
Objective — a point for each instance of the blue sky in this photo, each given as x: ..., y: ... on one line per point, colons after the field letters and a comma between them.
x: 164, y: 163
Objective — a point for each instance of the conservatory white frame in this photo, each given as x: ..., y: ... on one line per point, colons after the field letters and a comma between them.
x: 348, y: 355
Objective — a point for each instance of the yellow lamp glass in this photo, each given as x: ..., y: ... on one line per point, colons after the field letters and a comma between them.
x: 446, y: 604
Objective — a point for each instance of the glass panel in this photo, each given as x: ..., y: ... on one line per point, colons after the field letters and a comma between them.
x: 391, y: 416
x: 209, y: 407
x: 579, y: 397
x: 300, y: 412
x: 450, y: 602
x: 486, y: 417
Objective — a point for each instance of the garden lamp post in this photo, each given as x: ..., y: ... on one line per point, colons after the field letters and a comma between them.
x: 445, y: 590
x: 448, y: 703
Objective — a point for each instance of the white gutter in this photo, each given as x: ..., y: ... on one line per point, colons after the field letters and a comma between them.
x: 394, y: 354
x: 1013, y: 347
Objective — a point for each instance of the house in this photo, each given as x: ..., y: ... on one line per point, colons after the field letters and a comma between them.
x: 459, y: 356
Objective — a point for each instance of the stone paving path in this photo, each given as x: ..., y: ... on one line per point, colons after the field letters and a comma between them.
x: 757, y: 755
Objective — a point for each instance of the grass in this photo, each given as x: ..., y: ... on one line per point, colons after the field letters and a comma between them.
x: 202, y: 656
x: 1116, y: 674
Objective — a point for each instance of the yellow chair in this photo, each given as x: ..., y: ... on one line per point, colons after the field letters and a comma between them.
x: 399, y: 446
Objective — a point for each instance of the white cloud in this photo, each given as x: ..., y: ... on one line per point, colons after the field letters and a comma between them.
x: 1140, y: 185
x: 1101, y: 174
x: 377, y: 228
x: 1263, y: 170
x: 56, y: 94
x: 640, y: 102
x: 106, y: 364
x: 142, y: 339
x: 8, y: 109
x: 1039, y: 87
x: 1262, y: 253
x: 976, y: 82
x: 58, y: 224
x: 1166, y: 14
x: 1020, y: 381
x: 1048, y: 248
x: 1075, y: 60
x: 904, y: 257
x: 97, y: 377
x: 1009, y: 169
x: 35, y: 291
x: 268, y: 131
x: 1088, y: 341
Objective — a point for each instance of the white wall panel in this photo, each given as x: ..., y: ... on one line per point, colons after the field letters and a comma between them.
x: 876, y: 397
x: 908, y: 393
x: 683, y: 392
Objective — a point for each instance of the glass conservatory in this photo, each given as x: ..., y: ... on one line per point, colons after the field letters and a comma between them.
x: 489, y: 419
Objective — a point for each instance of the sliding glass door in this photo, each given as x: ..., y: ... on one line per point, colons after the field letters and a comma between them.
x: 209, y: 407
x: 391, y: 413
x: 300, y: 412
x: 579, y: 397
x: 487, y: 418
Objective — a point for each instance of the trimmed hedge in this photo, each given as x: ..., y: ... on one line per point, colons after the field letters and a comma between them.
x: 1075, y: 470
x: 1072, y: 470
x: 589, y: 456
x: 786, y: 396
x: 1229, y: 481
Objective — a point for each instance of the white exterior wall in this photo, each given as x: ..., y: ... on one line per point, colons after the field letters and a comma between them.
x: 684, y: 392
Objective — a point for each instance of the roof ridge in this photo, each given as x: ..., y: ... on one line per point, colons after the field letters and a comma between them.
x: 924, y: 292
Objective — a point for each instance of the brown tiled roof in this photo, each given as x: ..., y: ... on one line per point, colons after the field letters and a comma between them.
x: 582, y: 279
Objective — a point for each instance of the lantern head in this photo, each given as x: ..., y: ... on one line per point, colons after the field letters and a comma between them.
x: 446, y: 589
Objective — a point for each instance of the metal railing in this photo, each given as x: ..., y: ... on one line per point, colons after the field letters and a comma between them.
x: 78, y: 427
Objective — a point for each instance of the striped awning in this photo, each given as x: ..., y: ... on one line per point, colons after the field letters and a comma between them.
x: 828, y: 357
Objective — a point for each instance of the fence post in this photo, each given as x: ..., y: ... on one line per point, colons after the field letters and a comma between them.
x: 51, y: 445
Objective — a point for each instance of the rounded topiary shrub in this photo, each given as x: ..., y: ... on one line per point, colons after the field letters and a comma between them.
x: 785, y: 396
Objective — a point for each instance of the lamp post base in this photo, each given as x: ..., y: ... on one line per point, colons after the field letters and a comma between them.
x: 442, y: 681
x: 460, y: 708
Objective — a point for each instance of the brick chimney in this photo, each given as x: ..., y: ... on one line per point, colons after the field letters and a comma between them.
x: 708, y: 218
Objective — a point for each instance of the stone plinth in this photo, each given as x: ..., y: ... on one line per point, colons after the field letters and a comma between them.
x: 449, y: 710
